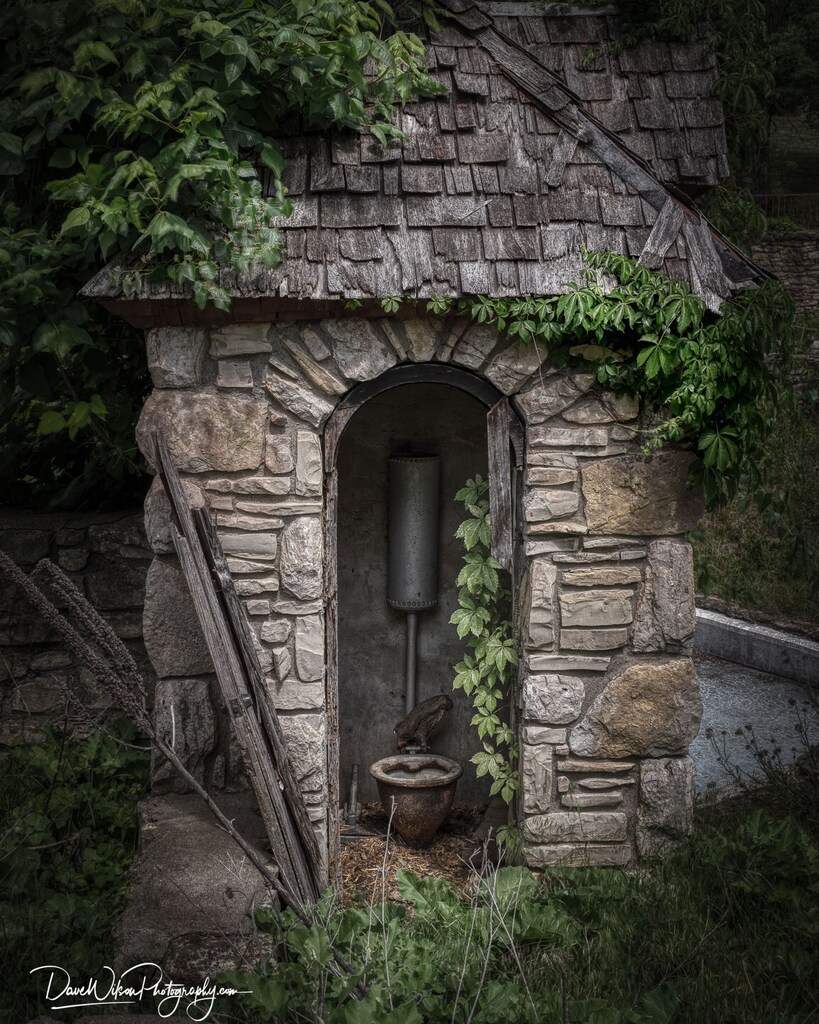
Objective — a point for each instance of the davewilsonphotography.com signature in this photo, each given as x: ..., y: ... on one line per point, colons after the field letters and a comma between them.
x: 142, y: 981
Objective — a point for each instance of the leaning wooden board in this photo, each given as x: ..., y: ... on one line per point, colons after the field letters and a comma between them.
x: 241, y: 682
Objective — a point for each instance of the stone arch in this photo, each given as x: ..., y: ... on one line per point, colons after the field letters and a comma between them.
x: 245, y: 413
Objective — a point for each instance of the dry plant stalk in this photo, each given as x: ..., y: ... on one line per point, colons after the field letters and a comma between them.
x: 95, y: 645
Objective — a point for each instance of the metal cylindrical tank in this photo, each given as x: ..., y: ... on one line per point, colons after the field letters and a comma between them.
x: 412, y: 582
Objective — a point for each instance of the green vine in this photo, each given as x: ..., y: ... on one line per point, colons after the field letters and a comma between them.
x: 708, y: 376
x: 486, y: 674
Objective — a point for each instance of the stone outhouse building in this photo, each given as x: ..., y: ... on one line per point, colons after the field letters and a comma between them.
x: 281, y: 414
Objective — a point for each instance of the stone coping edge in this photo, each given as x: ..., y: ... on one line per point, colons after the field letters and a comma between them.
x: 758, y: 647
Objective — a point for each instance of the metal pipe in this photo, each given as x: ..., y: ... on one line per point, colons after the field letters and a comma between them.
x: 412, y: 650
x: 352, y: 803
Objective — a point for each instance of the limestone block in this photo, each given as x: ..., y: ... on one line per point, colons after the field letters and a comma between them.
x: 234, y: 373
x: 298, y: 399
x: 41, y: 694
x: 73, y: 559
x: 602, y: 576
x: 25, y: 547
x: 205, y: 432
x: 508, y: 369
x: 650, y: 709
x: 183, y: 717
x: 641, y: 495
x: 301, y: 557
x: 319, y: 376
x: 115, y: 589
x: 252, y: 588
x: 173, y: 637
x: 608, y: 408
x: 175, y: 356
x: 359, y: 351
x: 596, y: 608
x: 548, y: 476
x: 588, y: 855
x: 276, y: 631
x: 48, y: 660
x: 666, y: 617
x: 575, y: 827
x: 158, y: 515
x: 580, y: 801
x: 536, y: 778
x: 314, y: 344
x: 540, y: 617
x: 309, y: 469
x: 593, y: 639
x: 253, y: 524
x: 293, y: 695
x: 572, y: 527
x: 282, y: 662
x: 305, y: 736
x: 553, y: 460
x: 475, y: 345
x: 666, y: 804
x: 257, y: 485
x: 548, y: 399
x: 566, y: 663
x: 310, y: 648
x: 249, y: 545
x: 278, y: 456
x: 122, y: 538
x: 540, y: 504
x: 567, y: 437
x: 537, y: 734
x: 239, y: 340
x: 553, y: 699
x: 421, y: 339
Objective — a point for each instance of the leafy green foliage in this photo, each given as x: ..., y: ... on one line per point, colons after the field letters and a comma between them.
x: 68, y: 829
x: 760, y: 549
x: 140, y: 133
x: 482, y: 618
x: 707, y: 376
x: 657, y: 946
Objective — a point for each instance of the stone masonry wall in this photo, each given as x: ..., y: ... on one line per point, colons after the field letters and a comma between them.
x: 794, y: 258
x: 107, y: 558
x: 607, y: 693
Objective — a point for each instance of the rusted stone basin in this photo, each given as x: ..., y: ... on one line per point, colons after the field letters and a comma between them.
x: 417, y: 790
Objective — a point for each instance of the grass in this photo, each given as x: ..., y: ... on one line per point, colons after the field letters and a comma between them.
x: 68, y: 828
x: 723, y: 931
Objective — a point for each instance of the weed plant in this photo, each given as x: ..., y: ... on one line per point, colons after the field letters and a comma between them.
x: 724, y: 930
x: 68, y: 828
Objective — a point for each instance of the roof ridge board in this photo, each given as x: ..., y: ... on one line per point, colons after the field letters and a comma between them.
x: 588, y: 130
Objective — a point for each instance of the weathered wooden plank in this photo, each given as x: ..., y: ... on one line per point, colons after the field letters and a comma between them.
x: 228, y: 673
x: 500, y: 481
x: 299, y: 830
x: 331, y: 686
x: 263, y: 770
x: 663, y: 234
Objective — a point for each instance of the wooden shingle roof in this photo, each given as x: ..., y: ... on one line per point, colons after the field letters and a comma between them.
x: 546, y: 141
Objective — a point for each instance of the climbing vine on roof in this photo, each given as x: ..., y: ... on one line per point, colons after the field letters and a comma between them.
x: 138, y: 129
x: 709, y: 377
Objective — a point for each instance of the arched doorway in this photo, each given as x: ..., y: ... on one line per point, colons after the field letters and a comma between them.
x: 468, y: 423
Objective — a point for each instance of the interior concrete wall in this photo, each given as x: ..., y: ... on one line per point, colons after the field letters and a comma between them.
x: 422, y: 418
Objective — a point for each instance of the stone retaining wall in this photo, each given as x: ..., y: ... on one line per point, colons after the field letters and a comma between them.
x: 794, y: 258
x: 107, y: 557
x: 607, y: 693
